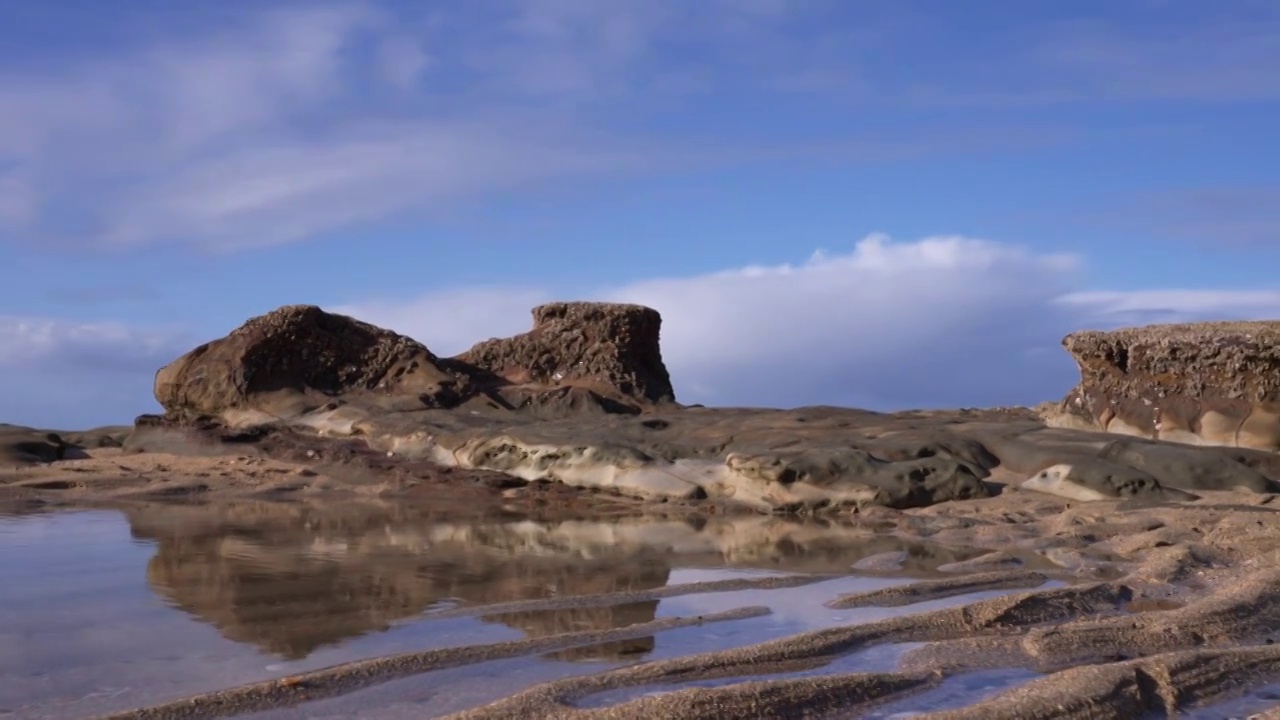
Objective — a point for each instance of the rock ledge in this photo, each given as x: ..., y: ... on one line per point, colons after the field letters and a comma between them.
x: 1198, y: 383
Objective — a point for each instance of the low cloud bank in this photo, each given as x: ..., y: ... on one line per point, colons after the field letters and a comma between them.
x: 940, y: 322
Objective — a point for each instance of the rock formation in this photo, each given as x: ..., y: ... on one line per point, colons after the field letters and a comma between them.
x: 22, y: 446
x: 560, y: 403
x: 610, y: 348
x: 298, y: 358
x: 292, y: 578
x: 1202, y: 383
x: 26, y: 446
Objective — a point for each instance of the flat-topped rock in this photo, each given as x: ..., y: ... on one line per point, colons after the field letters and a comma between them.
x: 1197, y: 383
x: 610, y: 347
x: 584, y: 400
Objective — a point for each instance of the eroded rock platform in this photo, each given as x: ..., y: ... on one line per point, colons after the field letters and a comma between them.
x: 584, y: 400
x: 1129, y: 533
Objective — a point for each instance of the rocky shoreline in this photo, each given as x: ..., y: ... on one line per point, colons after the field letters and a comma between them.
x: 1149, y: 489
x: 584, y: 400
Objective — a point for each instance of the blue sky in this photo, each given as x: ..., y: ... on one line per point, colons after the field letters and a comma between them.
x: 168, y: 170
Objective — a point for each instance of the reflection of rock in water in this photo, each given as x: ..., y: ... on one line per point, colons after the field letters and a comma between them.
x: 290, y: 579
x: 590, y: 581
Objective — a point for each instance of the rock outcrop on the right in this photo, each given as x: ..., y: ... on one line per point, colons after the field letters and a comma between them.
x: 1214, y: 383
x: 584, y: 399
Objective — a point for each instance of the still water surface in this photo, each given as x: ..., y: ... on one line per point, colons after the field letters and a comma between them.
x: 106, y: 610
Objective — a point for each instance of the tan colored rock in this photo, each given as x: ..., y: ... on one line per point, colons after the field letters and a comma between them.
x: 1203, y: 383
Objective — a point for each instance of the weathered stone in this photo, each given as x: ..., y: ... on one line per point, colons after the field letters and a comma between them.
x: 1186, y: 468
x: 26, y: 446
x: 1091, y: 479
x: 580, y: 358
x: 1201, y: 383
x: 595, y: 345
x: 295, y: 359
x: 584, y: 399
x: 23, y: 446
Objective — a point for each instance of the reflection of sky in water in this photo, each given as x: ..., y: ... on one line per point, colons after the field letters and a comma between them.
x: 803, y: 608
x: 796, y: 610
x: 82, y: 631
x: 955, y: 692
x: 1240, y: 704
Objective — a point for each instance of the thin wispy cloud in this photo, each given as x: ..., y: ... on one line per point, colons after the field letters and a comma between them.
x: 294, y: 122
x: 1240, y: 216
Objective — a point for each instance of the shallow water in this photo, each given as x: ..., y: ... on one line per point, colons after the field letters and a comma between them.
x: 1241, y: 706
x: 102, y: 611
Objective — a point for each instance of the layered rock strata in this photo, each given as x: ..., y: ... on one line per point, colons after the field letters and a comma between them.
x: 584, y: 399
x: 1202, y: 383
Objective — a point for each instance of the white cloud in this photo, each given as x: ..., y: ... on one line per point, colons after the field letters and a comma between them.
x: 64, y: 374
x: 284, y: 124
x: 1145, y: 307
x: 403, y: 60
x: 450, y: 321
x: 945, y: 321
x: 265, y: 132
x: 47, y: 344
x: 941, y: 322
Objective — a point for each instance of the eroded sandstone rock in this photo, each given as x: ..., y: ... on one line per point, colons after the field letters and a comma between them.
x: 25, y: 446
x: 584, y: 399
x: 608, y: 346
x: 297, y: 357
x: 1199, y: 383
x: 579, y: 358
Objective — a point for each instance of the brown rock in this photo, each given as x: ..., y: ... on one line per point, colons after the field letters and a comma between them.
x: 25, y: 446
x: 276, y: 368
x: 299, y: 355
x: 1203, y: 383
x: 597, y: 345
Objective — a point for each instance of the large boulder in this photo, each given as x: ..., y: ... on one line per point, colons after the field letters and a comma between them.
x: 602, y: 346
x: 1201, y: 383
x: 293, y: 362
x: 300, y: 356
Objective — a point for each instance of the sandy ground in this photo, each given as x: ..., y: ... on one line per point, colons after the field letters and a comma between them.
x: 1166, y: 606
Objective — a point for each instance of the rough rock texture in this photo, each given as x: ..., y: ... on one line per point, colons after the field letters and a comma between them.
x: 580, y: 357
x: 1200, y: 383
x: 605, y: 345
x: 299, y: 353
x: 24, y: 446
x: 27, y: 446
x: 584, y: 400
